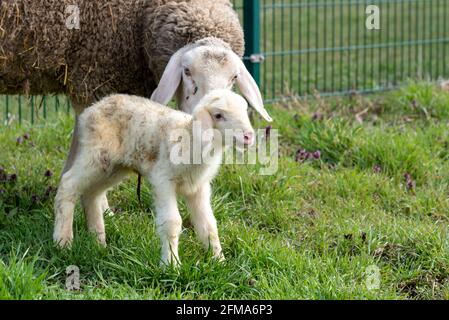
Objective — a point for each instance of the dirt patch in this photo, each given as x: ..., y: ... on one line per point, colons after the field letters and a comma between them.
x: 395, y: 253
x: 420, y: 286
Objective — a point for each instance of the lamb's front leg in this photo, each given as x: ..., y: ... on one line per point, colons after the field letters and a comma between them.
x: 168, y: 221
x: 204, y: 221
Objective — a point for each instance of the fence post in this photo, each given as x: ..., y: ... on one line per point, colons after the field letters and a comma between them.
x: 251, y: 27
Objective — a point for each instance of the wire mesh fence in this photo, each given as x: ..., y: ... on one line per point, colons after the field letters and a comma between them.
x: 318, y: 46
x: 326, y: 46
x: 18, y: 108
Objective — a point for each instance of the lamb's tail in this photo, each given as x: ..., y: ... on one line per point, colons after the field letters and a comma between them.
x: 139, y: 183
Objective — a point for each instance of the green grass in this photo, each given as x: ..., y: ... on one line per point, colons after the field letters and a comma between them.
x: 310, y: 231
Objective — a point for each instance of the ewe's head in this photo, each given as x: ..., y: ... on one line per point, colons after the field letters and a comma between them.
x: 199, y: 68
x: 227, y: 112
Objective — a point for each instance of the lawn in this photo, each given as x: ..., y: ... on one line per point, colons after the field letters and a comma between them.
x: 376, y: 199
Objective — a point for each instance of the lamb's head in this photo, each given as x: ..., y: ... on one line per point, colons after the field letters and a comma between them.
x: 226, y: 112
x: 206, y: 65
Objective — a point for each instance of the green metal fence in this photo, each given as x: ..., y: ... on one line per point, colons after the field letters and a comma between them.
x: 18, y: 108
x: 319, y: 45
x: 325, y: 46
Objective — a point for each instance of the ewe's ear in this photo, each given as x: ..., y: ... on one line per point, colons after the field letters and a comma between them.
x: 170, y: 80
x: 251, y: 91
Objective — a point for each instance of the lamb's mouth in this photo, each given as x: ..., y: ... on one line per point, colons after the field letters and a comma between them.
x: 240, y: 146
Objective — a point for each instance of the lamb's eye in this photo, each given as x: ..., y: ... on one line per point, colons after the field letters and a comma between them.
x: 218, y: 116
x: 235, y: 77
x: 187, y: 72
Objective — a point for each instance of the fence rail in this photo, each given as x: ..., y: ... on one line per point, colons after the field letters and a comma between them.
x: 323, y: 46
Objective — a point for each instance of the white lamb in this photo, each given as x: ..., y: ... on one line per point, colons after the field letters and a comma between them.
x: 121, y: 134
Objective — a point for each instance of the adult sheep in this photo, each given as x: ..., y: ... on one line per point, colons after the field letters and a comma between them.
x: 122, y: 46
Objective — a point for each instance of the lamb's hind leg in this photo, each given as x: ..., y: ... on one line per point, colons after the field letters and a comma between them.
x: 102, y: 201
x: 63, y: 229
x: 92, y: 203
x: 74, y: 183
x: 66, y: 197
x: 204, y: 221
x: 104, y: 205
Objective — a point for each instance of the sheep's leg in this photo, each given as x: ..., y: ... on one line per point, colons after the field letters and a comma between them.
x: 94, y: 215
x: 66, y: 196
x: 93, y: 205
x: 82, y: 176
x: 204, y: 221
x: 63, y: 230
x: 104, y: 204
x: 168, y: 222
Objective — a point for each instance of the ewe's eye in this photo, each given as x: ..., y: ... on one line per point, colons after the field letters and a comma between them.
x: 234, y: 78
x: 218, y: 116
x: 187, y: 72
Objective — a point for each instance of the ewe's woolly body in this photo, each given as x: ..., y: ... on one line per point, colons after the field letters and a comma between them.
x: 122, y: 46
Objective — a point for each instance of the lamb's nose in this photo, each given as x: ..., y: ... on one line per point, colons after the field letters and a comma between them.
x: 248, y: 138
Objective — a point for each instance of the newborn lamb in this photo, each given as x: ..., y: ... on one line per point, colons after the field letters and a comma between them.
x: 122, y: 134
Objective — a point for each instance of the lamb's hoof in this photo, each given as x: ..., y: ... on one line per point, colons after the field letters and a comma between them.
x: 102, y: 240
x: 220, y: 257
x: 100, y: 237
x: 63, y: 242
x: 172, y: 263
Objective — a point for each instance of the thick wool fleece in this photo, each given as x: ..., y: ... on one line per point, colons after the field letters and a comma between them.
x: 122, y: 46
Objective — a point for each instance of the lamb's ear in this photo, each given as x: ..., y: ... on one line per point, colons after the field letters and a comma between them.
x: 204, y: 117
x: 251, y: 91
x: 171, y: 78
